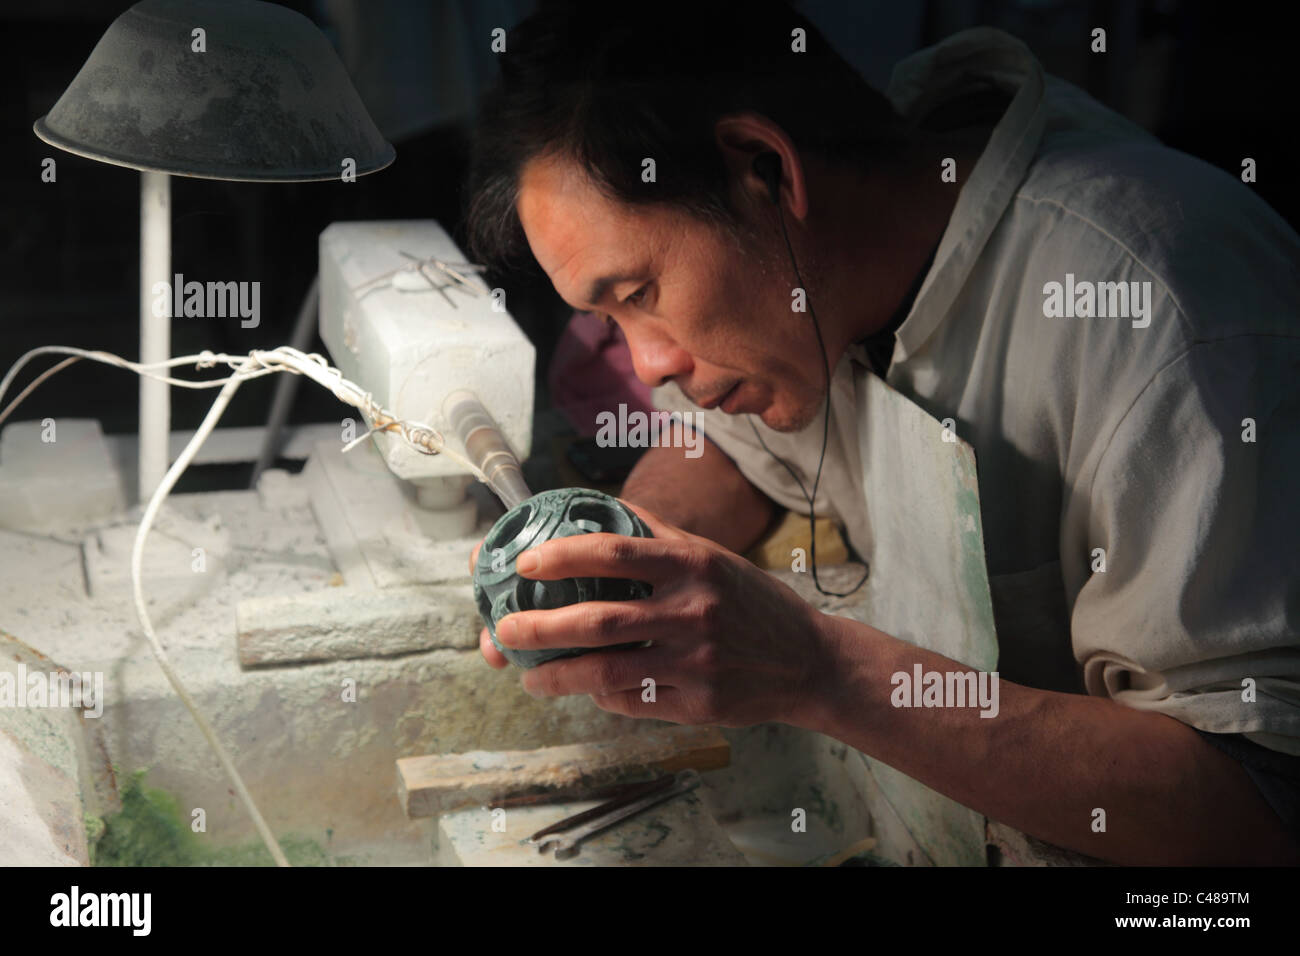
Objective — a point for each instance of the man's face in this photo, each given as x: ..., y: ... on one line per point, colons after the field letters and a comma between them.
x: 697, y: 305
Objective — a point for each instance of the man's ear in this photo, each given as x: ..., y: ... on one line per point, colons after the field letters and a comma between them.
x: 741, y: 138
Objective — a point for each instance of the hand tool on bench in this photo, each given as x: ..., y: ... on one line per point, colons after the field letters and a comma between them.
x: 567, y: 834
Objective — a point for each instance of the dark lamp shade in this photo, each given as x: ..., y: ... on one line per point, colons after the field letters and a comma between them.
x: 268, y: 100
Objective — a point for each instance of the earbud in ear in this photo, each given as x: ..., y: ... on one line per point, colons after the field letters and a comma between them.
x: 767, y: 166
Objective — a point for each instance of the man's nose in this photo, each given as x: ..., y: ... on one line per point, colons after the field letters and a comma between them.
x: 656, y: 358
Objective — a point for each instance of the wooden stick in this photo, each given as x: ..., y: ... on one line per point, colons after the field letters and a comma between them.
x: 428, y: 786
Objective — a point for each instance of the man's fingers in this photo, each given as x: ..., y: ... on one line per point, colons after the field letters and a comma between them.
x: 489, y: 651
x: 668, y: 704
x: 600, y: 673
x: 603, y: 556
x: 589, y: 624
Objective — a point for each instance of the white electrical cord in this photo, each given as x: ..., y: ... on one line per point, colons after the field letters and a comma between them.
x: 254, y: 365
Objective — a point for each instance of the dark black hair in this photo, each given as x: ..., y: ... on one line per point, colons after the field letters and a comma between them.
x: 609, y: 84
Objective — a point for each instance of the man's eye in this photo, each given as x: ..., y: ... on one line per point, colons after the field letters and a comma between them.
x: 636, y: 297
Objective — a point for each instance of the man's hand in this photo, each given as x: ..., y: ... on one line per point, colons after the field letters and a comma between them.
x: 731, y: 645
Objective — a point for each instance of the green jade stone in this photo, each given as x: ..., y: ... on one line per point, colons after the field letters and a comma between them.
x: 498, y: 588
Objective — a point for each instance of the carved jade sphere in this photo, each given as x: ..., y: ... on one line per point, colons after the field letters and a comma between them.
x: 499, y: 590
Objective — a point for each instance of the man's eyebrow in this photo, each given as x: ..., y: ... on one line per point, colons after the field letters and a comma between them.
x: 596, y: 291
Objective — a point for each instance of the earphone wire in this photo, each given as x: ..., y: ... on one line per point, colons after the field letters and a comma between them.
x: 826, y: 426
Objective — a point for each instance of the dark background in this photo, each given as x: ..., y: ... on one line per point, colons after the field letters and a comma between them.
x: 1213, y: 79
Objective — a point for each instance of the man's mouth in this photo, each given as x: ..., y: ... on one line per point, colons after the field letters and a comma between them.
x: 715, y: 402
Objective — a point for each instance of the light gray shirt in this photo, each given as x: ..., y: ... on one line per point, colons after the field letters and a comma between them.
x: 1161, y: 443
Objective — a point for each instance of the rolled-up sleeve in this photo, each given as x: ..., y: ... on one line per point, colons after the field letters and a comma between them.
x: 1195, y: 507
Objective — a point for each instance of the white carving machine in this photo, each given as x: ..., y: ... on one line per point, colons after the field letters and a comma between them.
x: 405, y: 316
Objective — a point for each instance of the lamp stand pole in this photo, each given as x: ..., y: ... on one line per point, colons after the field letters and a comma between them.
x: 155, y: 331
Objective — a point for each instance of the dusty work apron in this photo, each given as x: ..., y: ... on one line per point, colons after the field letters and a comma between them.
x: 928, y: 584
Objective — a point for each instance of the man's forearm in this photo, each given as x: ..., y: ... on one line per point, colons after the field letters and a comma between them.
x: 706, y: 495
x: 1048, y: 761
